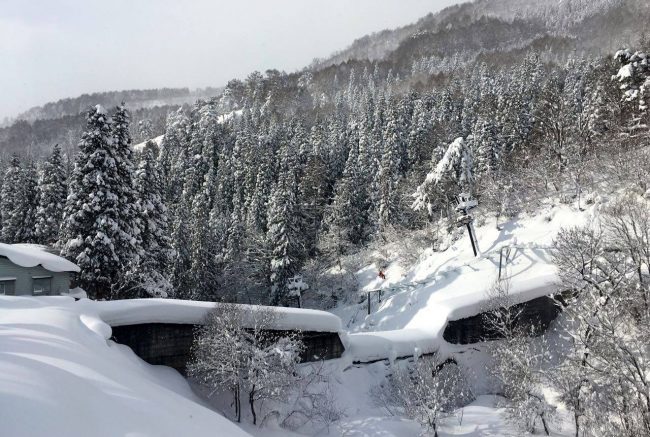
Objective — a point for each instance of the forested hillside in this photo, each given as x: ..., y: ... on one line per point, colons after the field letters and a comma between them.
x: 311, y: 166
x: 35, y: 132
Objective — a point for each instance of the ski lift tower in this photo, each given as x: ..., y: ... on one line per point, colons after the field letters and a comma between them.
x: 466, y: 203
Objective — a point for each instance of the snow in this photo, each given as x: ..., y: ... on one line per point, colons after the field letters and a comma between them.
x: 625, y: 72
x: 60, y: 376
x: 137, y: 311
x: 450, y: 285
x: 78, y: 293
x: 140, y: 146
x: 229, y: 115
x: 31, y: 255
x: 158, y: 140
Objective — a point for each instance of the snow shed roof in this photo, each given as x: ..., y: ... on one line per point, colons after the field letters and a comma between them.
x: 137, y: 311
x: 32, y: 255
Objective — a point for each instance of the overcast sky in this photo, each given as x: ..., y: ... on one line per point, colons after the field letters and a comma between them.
x: 51, y: 49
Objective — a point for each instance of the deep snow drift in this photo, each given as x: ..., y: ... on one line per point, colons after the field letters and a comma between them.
x: 60, y: 376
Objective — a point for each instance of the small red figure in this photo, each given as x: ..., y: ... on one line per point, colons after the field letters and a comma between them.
x: 381, y: 274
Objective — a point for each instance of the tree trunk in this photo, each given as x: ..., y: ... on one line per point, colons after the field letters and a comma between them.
x: 237, y: 404
x: 251, y: 402
x: 544, y: 424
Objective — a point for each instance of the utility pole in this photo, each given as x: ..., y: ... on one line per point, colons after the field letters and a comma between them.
x: 466, y: 203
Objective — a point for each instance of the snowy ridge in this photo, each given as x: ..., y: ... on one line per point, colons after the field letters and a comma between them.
x: 32, y: 255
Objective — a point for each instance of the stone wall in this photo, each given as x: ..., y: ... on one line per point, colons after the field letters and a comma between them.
x: 170, y: 344
x: 536, y: 316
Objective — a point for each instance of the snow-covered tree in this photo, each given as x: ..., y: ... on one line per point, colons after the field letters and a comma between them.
x: 604, y: 379
x: 634, y: 76
x: 284, y: 238
x: 454, y: 170
x: 347, y: 219
x: 487, y: 147
x: 181, y: 245
x: 155, y: 262
x: 52, y: 193
x: 27, y: 205
x: 203, y: 272
x: 96, y: 231
x: 18, y: 202
x: 419, y: 134
x: 234, y: 350
x: 129, y: 245
x: 388, y: 177
x: 518, y: 362
x: 9, y: 200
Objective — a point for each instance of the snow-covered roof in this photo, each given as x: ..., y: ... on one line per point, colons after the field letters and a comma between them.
x: 32, y: 255
x: 137, y: 311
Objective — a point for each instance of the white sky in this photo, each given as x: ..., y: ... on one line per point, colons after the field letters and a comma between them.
x: 52, y: 49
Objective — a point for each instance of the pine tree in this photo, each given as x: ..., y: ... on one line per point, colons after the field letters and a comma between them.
x: 347, y: 219
x: 27, y: 204
x: 181, y: 245
x: 53, y: 191
x: 173, y: 156
x: 418, y: 136
x: 388, y: 176
x: 313, y: 193
x: 453, y: 174
x: 284, y: 238
x: 129, y: 248
x: 12, y: 204
x: 486, y: 147
x: 155, y: 262
x: 203, y: 273
x: 91, y: 232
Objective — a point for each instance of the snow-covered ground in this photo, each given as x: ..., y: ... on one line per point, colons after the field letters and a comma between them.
x: 419, y: 300
x: 60, y: 375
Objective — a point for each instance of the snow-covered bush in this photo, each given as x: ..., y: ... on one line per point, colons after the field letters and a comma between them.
x: 247, y: 361
x: 517, y: 363
x: 311, y: 402
x: 261, y: 367
x: 427, y: 391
